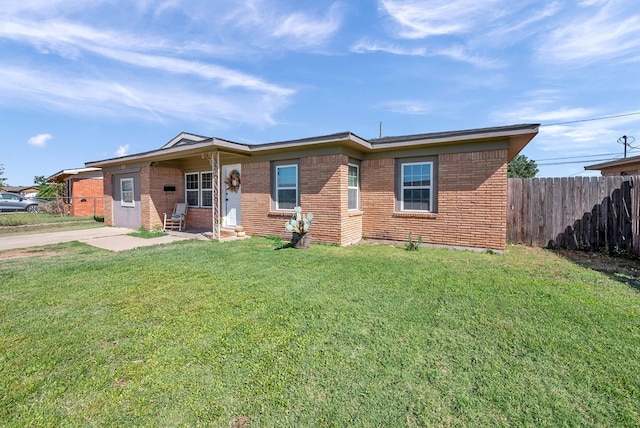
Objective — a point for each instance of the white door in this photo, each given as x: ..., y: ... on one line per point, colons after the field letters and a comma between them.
x: 231, y: 186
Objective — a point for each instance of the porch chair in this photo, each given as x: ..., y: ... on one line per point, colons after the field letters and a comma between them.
x: 178, y: 219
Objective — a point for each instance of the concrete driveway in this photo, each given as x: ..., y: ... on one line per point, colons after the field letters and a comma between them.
x: 108, y: 238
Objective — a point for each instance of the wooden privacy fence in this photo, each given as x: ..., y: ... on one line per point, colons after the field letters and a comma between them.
x: 586, y: 213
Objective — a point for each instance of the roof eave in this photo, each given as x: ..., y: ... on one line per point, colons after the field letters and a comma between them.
x: 612, y: 164
x: 344, y: 137
x: 171, y: 152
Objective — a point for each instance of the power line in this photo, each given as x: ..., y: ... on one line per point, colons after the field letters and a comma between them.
x: 578, y: 157
x: 568, y: 162
x: 635, y: 113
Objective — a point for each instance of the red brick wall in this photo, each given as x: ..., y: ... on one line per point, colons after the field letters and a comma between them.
x: 323, y: 191
x: 471, y: 203
x: 155, y: 201
x: 200, y: 218
x: 257, y: 218
x: 88, y: 197
x: 108, y: 198
x: 322, y: 181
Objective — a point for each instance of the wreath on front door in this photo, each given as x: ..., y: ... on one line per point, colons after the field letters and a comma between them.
x: 233, y: 181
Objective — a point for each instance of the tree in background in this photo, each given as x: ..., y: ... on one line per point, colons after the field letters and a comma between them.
x: 39, y: 180
x: 522, y: 167
x: 3, y: 180
x: 48, y: 191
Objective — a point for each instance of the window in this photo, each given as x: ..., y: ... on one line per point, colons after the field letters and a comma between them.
x: 416, y: 186
x: 199, y: 189
x: 353, y: 186
x: 68, y: 191
x: 207, y: 189
x: 286, y: 191
x: 192, y: 189
x: 126, y: 193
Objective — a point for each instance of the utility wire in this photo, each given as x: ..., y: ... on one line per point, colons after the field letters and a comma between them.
x: 568, y: 162
x: 578, y: 157
x: 635, y: 113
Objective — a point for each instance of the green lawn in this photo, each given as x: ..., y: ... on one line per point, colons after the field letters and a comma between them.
x: 241, y: 334
x: 22, y: 223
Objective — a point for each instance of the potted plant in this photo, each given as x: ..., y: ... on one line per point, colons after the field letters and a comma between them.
x: 299, y: 226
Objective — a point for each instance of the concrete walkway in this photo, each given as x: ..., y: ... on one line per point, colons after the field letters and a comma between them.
x: 108, y: 238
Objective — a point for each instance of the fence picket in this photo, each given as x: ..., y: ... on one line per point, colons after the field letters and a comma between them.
x: 595, y: 213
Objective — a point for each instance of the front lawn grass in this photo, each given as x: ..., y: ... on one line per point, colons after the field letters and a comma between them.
x: 238, y: 334
x: 22, y: 223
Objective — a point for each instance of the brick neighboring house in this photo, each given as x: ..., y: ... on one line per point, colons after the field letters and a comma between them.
x: 448, y: 187
x: 84, y: 191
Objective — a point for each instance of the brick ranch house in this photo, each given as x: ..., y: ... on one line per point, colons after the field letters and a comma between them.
x: 84, y: 191
x: 448, y: 187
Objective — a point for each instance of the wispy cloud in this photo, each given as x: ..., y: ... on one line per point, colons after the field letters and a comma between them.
x: 303, y: 29
x: 364, y: 46
x: 544, y: 114
x: 70, y: 40
x: 214, y: 95
x: 275, y: 25
x: 39, y: 140
x: 122, y: 150
x: 141, y: 98
x: 408, y: 107
x: 419, y: 19
x: 601, y: 31
x: 455, y: 52
x: 461, y: 54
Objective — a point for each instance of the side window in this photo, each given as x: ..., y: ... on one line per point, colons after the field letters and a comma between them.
x: 416, y: 186
x: 192, y: 189
x: 353, y: 186
x: 286, y: 186
x: 126, y: 193
x: 207, y: 189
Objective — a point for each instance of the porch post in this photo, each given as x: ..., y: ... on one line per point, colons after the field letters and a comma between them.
x: 215, y: 170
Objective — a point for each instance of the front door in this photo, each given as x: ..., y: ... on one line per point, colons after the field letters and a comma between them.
x: 127, y: 211
x: 231, y: 186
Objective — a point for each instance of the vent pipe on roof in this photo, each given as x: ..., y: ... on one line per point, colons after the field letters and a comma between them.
x: 380, y: 129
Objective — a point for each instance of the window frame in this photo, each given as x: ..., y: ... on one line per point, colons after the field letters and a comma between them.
x: 276, y: 166
x: 187, y: 190
x: 356, y: 187
x: 204, y: 190
x: 124, y: 202
x: 433, y: 187
x: 200, y: 190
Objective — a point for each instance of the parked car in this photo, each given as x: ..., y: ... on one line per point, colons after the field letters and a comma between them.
x: 13, y: 202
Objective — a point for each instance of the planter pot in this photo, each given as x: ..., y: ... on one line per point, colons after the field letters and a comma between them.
x: 301, y: 241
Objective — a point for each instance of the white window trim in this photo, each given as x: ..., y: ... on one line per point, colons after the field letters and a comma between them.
x: 287, y: 187
x: 202, y: 189
x: 123, y: 203
x: 357, y: 187
x: 403, y: 187
x: 187, y: 190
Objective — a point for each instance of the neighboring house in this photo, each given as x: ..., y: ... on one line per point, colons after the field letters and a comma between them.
x: 624, y: 166
x: 26, y: 191
x: 448, y: 187
x: 84, y: 190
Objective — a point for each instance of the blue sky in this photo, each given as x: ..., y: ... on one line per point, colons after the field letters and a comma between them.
x: 88, y: 80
